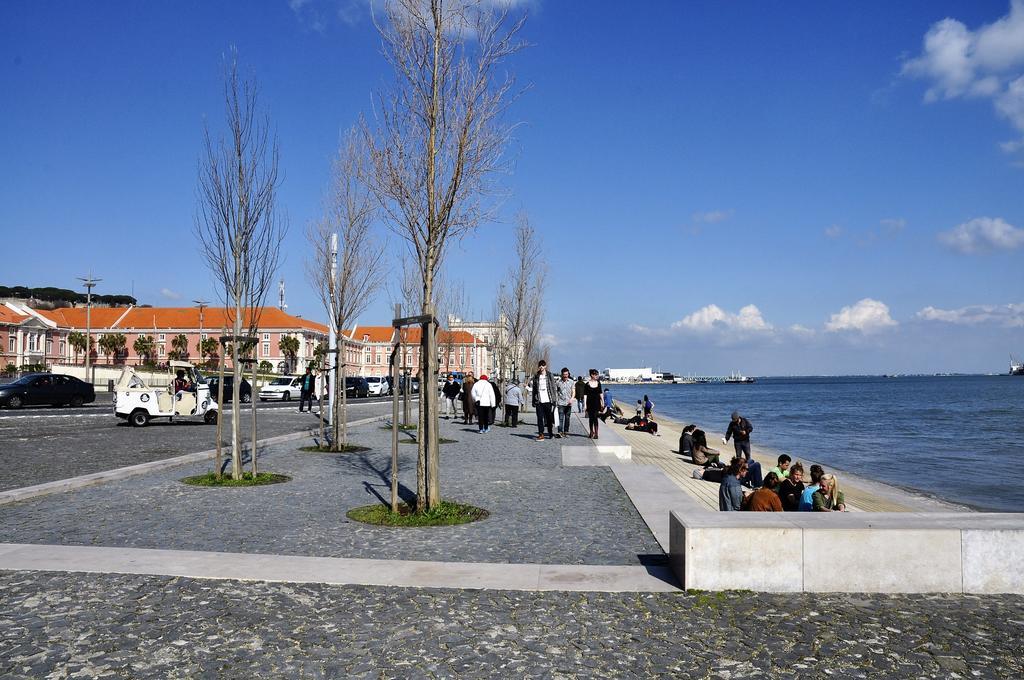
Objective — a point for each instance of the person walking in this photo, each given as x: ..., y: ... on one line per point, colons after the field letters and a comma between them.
x: 450, y: 391
x: 306, y: 389
x: 513, y: 400
x: 593, y: 396
x: 580, y: 385
x: 468, y: 408
x: 497, y: 403
x: 739, y: 431
x: 544, y: 396
x: 565, y: 389
x: 482, y: 395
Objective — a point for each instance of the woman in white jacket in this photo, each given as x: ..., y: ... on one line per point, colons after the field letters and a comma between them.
x: 483, y: 396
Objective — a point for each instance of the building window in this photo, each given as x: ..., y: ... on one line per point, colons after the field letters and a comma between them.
x: 12, y: 341
x: 204, y: 336
x: 63, y: 348
x: 161, y: 350
x: 266, y: 336
x: 266, y: 349
x: 366, y: 358
x: 49, y: 346
x: 162, y: 337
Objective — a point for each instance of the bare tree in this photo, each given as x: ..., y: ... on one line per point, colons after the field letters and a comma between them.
x: 237, y: 224
x: 437, y: 148
x: 347, y: 288
x: 521, y: 296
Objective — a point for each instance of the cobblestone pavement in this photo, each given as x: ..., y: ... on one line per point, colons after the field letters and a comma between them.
x: 114, y: 626
x: 540, y: 511
x: 43, y: 444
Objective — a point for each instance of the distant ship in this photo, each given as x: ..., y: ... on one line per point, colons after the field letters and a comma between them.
x: 1016, y: 367
x: 737, y: 377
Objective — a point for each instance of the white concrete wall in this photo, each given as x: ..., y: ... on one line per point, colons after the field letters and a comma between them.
x: 862, y: 552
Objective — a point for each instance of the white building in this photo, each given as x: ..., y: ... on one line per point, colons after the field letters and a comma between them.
x: 629, y: 374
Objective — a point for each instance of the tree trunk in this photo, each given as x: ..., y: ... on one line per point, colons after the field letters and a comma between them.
x: 421, y: 448
x: 220, y: 413
x: 236, y: 398
x: 428, y: 390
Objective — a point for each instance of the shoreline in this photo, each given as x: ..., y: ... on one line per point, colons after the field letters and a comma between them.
x: 887, y: 490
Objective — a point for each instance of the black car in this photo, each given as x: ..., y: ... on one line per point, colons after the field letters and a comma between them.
x: 46, y: 388
x: 229, y: 383
x: 356, y: 387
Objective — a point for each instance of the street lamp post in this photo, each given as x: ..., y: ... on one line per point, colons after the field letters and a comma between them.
x: 89, y: 282
x: 202, y: 304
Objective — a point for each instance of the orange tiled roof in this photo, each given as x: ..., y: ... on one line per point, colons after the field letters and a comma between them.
x: 384, y: 334
x: 74, y: 317
x: 142, y: 318
x: 8, y: 315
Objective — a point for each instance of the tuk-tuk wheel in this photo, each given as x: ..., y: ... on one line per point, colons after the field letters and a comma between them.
x: 210, y: 418
x: 139, y: 418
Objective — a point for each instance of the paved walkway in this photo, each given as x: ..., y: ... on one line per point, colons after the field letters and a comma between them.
x: 540, y: 512
x: 116, y: 626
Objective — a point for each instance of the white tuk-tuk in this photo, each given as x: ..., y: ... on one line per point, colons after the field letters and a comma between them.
x: 137, y: 402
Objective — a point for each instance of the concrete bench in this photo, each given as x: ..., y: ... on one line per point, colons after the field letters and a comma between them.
x: 848, y: 552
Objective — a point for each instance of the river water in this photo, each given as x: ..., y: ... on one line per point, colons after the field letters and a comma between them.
x: 958, y: 438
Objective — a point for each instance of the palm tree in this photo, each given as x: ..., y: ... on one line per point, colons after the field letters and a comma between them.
x: 145, y: 348
x: 113, y: 344
x: 207, y: 348
x: 179, y: 347
x: 289, y: 346
x: 76, y: 340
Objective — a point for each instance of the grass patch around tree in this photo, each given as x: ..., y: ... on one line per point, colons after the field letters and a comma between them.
x: 445, y: 514
x: 346, y: 448
x: 262, y: 479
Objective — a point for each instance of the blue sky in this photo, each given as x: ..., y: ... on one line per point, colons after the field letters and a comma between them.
x: 773, y: 187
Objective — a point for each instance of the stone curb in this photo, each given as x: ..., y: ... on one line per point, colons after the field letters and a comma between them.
x: 337, y: 570
x: 73, y: 483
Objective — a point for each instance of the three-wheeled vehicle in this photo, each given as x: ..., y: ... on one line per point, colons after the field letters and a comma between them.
x: 138, y: 403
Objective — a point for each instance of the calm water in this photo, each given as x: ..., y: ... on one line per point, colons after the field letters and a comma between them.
x: 947, y: 436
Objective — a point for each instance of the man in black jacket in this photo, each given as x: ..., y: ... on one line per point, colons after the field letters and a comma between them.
x: 543, y: 399
x: 451, y: 393
x: 739, y: 431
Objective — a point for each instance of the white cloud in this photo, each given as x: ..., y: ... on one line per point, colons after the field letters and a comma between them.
x: 983, y: 234
x: 834, y: 232
x: 893, y: 224
x: 1007, y: 316
x: 866, y: 316
x: 986, y: 62
x: 170, y: 294
x: 714, y: 318
x: 712, y: 216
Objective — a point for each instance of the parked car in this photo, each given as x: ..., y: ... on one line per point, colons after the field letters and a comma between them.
x: 284, y: 389
x: 46, y: 388
x: 138, y: 403
x: 379, y: 386
x: 356, y: 386
x: 229, y: 382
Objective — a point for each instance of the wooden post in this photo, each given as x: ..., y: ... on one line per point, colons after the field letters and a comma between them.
x: 394, y: 414
x: 252, y: 406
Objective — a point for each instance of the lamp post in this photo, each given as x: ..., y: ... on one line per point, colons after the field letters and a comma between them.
x: 89, y: 282
x: 202, y: 304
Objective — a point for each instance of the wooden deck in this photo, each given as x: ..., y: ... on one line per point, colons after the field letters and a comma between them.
x: 662, y: 451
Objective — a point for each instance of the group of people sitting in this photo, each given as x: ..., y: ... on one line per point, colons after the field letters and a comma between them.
x: 743, y: 486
